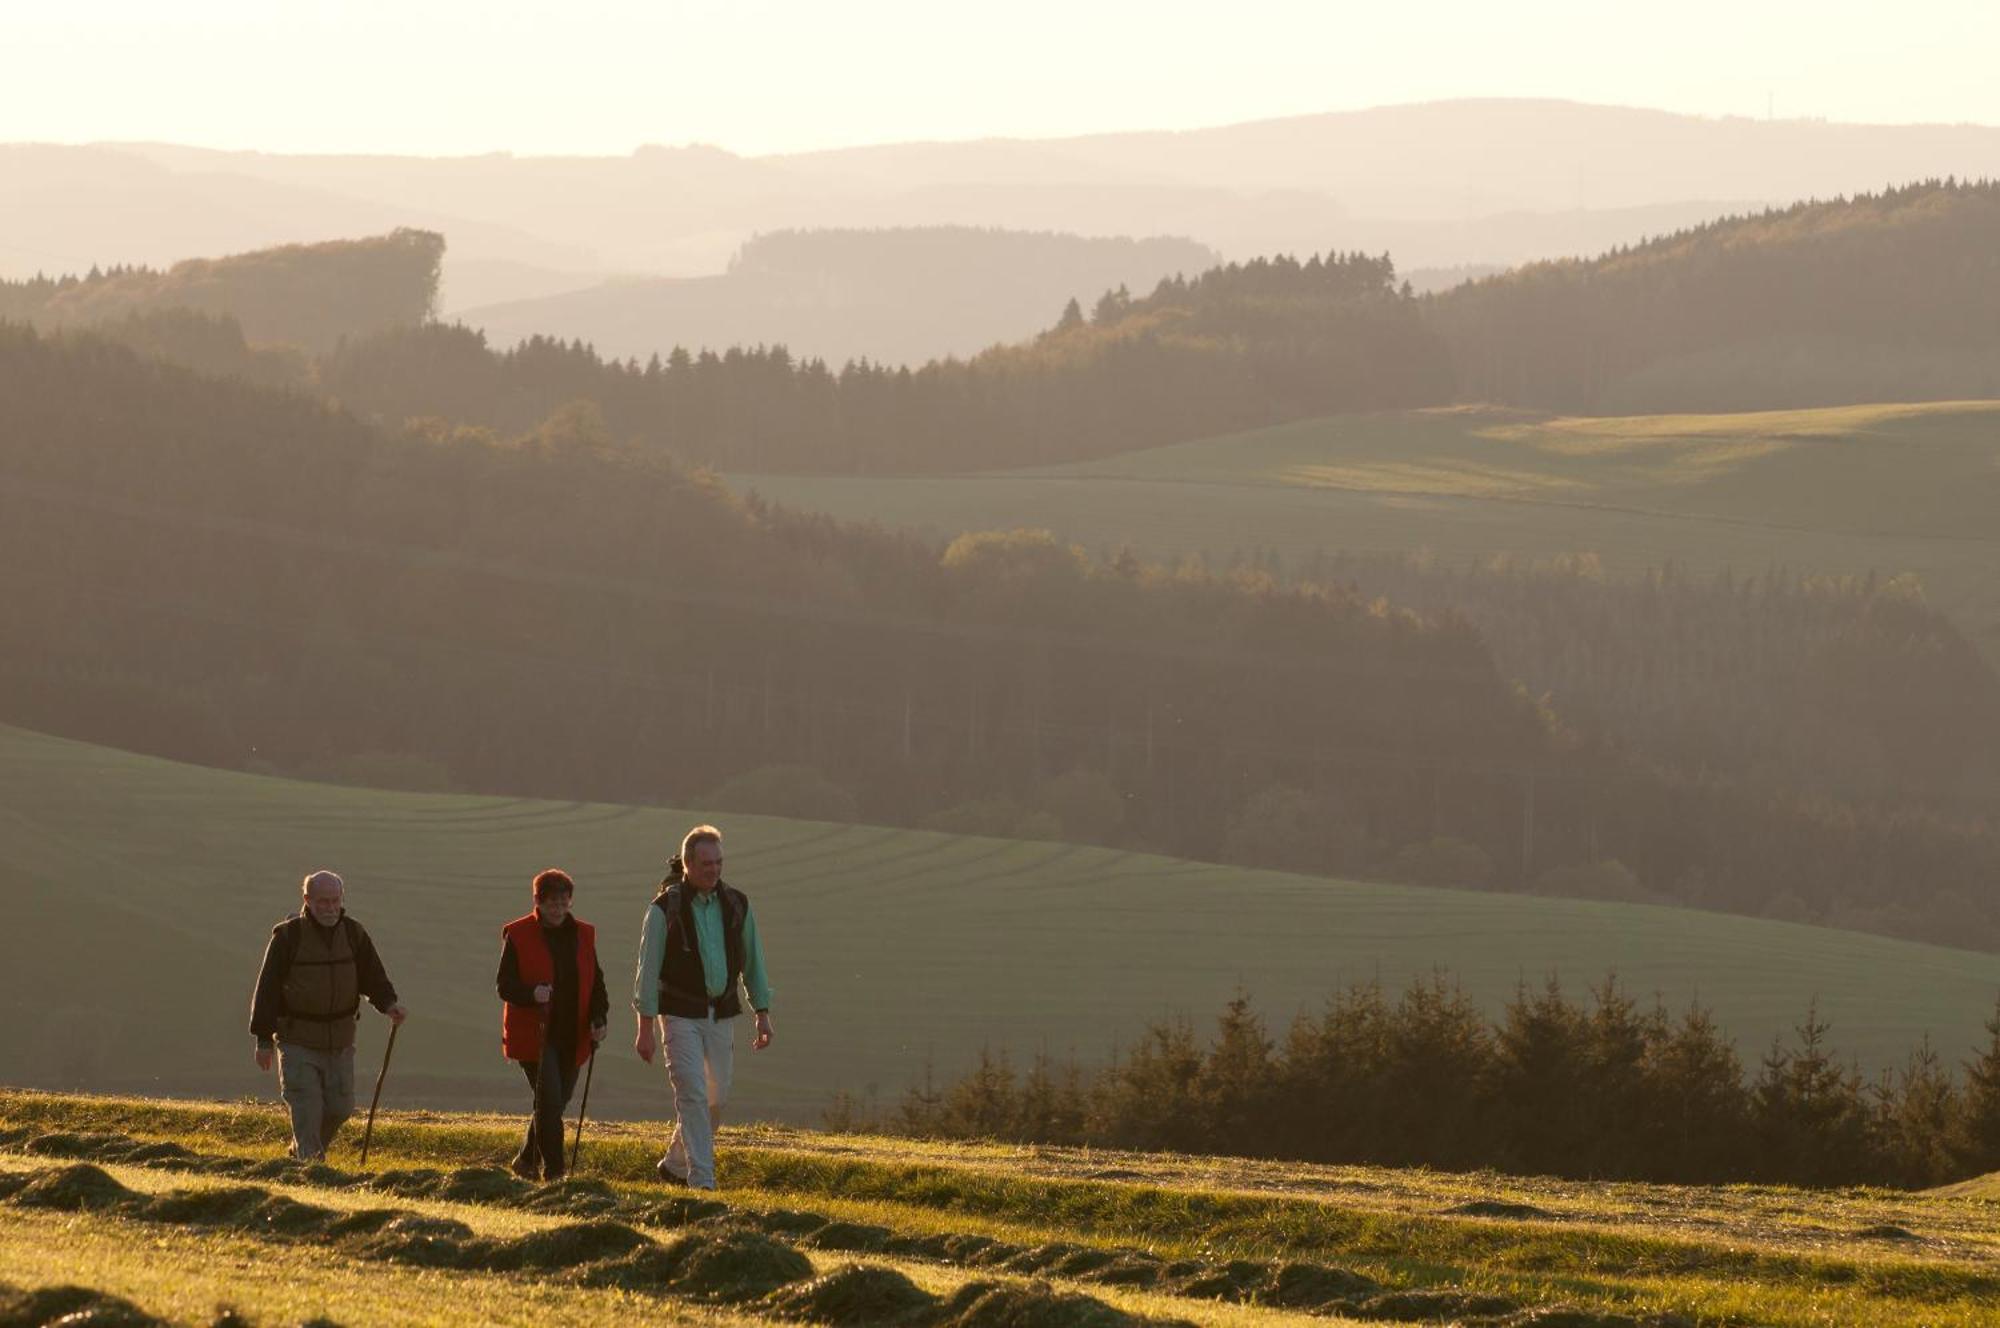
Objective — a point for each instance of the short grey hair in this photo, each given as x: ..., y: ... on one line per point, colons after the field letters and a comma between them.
x: 322, y: 877
x: 701, y: 834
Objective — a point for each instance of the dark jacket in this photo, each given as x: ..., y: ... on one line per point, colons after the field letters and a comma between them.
x: 313, y: 1001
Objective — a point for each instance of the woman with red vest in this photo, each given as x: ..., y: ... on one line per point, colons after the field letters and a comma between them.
x: 555, y: 1013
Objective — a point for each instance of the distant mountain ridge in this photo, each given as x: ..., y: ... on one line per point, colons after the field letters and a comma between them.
x: 1436, y: 185
x: 1243, y: 189
x: 895, y: 297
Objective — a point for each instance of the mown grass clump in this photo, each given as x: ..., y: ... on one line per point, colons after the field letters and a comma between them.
x: 562, y: 1247
x: 683, y: 1211
x: 1042, y: 1258
x: 1887, y: 1231
x: 282, y: 1216
x: 789, y: 1222
x: 732, y: 1265
x: 361, y: 1222
x: 71, y: 1307
x: 1308, y: 1285
x: 1034, y: 1305
x: 648, y: 1268
x: 280, y: 1168
x: 1422, y: 1306
x: 81, y: 1187
x: 427, y: 1242
x: 855, y: 1296
x: 1499, y: 1208
x: 1569, y: 1316
x: 408, y: 1183
x: 230, y: 1206
x: 1128, y: 1271
x: 572, y: 1198
x: 1237, y: 1280
x: 856, y: 1236
x: 481, y: 1185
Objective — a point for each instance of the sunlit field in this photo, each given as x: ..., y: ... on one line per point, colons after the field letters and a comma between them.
x: 138, y: 883
x: 177, y: 1209
x: 1851, y: 489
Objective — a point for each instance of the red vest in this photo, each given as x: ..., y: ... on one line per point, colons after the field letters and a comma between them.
x: 521, y: 1025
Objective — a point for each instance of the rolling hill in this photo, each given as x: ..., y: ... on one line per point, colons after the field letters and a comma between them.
x: 1843, y: 490
x: 142, y: 885
x: 898, y: 296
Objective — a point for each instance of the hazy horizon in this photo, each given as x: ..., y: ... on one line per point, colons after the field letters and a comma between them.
x: 451, y: 79
x: 975, y: 139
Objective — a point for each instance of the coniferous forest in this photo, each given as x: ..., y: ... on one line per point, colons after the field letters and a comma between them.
x: 1598, y: 1088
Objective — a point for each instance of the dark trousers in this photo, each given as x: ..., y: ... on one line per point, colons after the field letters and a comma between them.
x: 553, y: 1085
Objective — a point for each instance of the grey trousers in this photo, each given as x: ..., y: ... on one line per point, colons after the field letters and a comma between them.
x: 319, y: 1091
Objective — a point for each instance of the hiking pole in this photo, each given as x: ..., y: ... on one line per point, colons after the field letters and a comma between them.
x: 376, y: 1101
x: 541, y: 1072
x: 582, y: 1107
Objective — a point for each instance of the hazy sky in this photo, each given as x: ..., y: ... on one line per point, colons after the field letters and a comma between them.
x: 756, y: 76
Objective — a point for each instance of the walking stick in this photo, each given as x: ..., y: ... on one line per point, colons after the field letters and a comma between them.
x: 374, y: 1102
x: 541, y: 1064
x: 583, y: 1107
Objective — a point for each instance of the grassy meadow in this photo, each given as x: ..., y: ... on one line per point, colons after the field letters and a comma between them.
x: 1852, y: 489
x: 141, y: 892
x: 180, y: 1207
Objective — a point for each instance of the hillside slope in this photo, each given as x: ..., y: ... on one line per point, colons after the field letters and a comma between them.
x: 898, y: 296
x: 1843, y: 490
x: 146, y: 884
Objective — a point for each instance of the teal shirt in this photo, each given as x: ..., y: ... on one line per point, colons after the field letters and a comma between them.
x: 714, y: 955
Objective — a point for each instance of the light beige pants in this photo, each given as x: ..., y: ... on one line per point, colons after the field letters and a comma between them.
x: 701, y: 1058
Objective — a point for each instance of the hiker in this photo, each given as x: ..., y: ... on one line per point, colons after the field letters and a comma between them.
x: 317, y: 967
x: 699, y: 947
x: 556, y: 1013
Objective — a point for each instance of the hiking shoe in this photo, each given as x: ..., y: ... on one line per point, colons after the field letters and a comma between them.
x: 525, y: 1168
x: 668, y: 1174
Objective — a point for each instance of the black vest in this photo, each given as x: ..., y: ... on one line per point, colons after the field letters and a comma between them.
x: 683, y: 980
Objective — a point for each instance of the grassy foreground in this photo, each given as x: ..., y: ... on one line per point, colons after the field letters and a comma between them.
x: 1888, y: 488
x: 142, y: 885
x: 1223, y: 1242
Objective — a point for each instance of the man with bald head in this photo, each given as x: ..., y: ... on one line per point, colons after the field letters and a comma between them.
x: 317, y: 967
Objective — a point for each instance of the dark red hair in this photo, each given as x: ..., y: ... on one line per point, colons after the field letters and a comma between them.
x: 553, y: 879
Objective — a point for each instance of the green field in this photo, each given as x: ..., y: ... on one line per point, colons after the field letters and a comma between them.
x: 1890, y: 488
x: 140, y: 892
x: 178, y: 1208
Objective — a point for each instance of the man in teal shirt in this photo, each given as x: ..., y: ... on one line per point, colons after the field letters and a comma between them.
x: 699, y: 954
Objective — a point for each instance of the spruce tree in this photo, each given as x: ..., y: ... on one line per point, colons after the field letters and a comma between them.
x: 1237, y: 1083
x: 1697, y: 1110
x: 1976, y: 1132
x: 1541, y: 1080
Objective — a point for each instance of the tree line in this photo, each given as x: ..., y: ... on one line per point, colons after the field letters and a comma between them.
x: 1849, y: 687
x: 1596, y: 1089
x: 1892, y: 296
x: 1879, y: 297
x: 252, y: 578
x: 304, y: 296
x: 1887, y: 296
